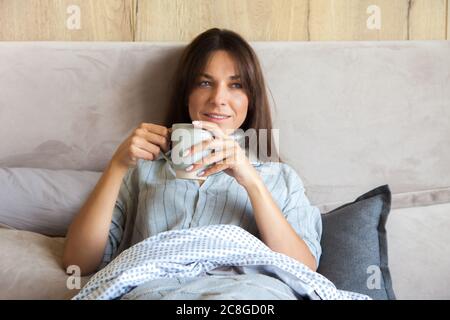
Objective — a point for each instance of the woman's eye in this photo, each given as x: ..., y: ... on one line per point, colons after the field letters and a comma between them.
x: 204, y: 83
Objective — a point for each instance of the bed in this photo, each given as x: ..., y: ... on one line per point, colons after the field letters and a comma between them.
x: 352, y: 116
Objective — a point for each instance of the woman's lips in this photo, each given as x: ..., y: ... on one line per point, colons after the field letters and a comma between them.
x: 215, y: 119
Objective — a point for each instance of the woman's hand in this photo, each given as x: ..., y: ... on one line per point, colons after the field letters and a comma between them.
x: 228, y: 156
x: 145, y: 142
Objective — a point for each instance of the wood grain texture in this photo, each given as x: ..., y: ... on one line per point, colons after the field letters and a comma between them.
x: 256, y: 20
x: 427, y: 20
x: 448, y: 19
x: 400, y: 20
x: 101, y: 20
x: 347, y: 20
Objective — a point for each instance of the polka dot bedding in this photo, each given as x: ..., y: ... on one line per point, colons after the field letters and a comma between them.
x: 196, y: 251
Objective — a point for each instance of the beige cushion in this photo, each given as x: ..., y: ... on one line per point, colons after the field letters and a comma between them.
x: 419, y: 254
x: 30, y: 266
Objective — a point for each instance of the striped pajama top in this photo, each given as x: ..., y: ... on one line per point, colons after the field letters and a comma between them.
x: 151, y: 200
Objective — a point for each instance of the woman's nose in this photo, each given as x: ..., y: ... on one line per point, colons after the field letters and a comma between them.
x: 219, y: 95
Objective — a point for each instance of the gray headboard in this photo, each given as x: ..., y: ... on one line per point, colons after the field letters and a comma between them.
x: 352, y: 115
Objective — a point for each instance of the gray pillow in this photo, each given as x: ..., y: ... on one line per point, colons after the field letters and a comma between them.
x: 43, y: 200
x: 354, y: 245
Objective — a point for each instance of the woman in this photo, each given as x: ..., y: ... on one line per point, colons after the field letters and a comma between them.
x: 218, y: 86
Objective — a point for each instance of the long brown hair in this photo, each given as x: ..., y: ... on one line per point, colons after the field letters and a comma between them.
x: 192, y: 63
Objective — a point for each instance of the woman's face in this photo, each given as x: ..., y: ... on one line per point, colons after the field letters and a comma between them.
x: 218, y: 91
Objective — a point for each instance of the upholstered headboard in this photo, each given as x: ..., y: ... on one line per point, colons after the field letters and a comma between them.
x: 352, y: 115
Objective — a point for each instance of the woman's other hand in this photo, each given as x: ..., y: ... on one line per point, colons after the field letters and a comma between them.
x: 145, y: 142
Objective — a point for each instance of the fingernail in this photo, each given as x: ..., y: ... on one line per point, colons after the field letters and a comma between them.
x: 189, y: 168
x: 186, y: 152
x: 200, y: 173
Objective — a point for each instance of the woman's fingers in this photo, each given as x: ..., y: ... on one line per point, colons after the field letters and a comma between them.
x: 155, y: 128
x: 139, y: 153
x: 155, y: 137
x: 214, y: 169
x: 145, y: 145
x: 145, y: 142
x: 210, y: 126
x: 157, y: 140
x: 216, y: 157
x: 209, y: 144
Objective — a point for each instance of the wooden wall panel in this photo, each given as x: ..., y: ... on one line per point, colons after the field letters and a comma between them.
x: 292, y: 19
x: 347, y: 20
x: 400, y: 20
x: 101, y: 20
x: 256, y: 20
x: 448, y: 19
x: 427, y: 20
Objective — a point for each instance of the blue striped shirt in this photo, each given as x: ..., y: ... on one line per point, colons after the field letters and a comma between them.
x: 151, y: 200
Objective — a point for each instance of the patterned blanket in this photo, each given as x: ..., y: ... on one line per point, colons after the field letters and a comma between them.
x: 193, y: 252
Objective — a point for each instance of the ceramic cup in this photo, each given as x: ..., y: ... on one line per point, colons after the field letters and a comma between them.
x: 184, y: 136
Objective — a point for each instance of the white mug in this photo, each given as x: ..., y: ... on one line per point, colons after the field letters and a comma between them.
x: 183, y: 137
